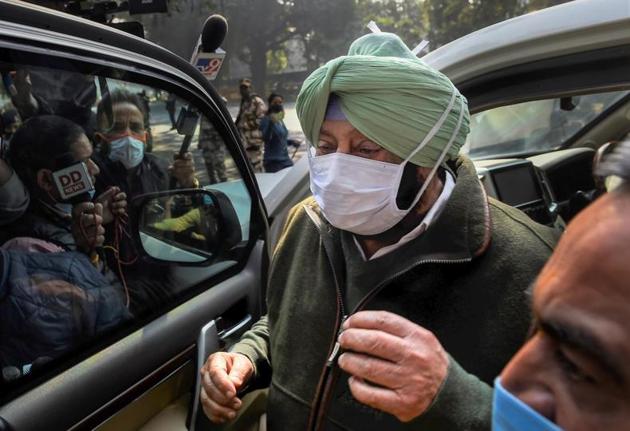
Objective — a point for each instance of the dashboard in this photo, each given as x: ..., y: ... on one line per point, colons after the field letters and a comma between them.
x: 551, y: 188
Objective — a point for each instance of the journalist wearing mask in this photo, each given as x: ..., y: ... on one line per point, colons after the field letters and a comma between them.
x: 398, y: 291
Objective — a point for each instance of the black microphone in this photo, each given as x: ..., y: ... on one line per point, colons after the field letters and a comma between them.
x: 207, y: 57
x: 213, y: 34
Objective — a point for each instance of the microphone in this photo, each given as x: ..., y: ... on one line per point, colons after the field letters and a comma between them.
x: 214, y: 30
x: 208, y: 56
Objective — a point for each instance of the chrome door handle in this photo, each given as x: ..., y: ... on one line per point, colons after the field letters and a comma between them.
x: 210, y: 340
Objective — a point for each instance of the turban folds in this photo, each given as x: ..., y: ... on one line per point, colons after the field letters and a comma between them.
x: 389, y: 95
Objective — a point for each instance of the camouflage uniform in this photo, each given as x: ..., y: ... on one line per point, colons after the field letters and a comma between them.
x: 213, y: 150
x: 248, y: 123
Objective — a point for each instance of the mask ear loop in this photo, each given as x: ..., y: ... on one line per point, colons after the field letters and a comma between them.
x: 427, y: 138
x: 436, y: 127
x: 420, y: 47
x: 448, y: 146
x: 373, y: 27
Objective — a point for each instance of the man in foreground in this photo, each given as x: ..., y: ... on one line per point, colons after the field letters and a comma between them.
x: 574, y: 372
x: 398, y: 292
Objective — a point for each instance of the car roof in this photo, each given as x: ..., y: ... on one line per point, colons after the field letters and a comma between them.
x: 19, y: 19
x: 577, y: 26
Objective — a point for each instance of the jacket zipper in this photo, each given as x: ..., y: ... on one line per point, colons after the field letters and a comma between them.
x: 331, y: 372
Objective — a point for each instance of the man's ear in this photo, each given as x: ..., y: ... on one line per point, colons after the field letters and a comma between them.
x: 45, y: 181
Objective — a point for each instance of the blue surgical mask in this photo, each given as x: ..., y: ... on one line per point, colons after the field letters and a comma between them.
x: 63, y: 208
x: 66, y: 208
x: 511, y: 414
x: 127, y: 150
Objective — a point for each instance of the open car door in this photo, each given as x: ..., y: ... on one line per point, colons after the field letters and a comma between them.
x: 200, y: 252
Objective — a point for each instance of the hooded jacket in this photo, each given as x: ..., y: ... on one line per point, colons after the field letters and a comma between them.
x: 50, y: 303
x: 465, y: 279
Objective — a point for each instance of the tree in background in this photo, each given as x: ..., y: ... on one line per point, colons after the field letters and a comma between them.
x: 325, y: 28
x: 179, y: 29
x: 533, y: 5
x: 402, y: 17
x: 258, y: 29
x: 447, y: 20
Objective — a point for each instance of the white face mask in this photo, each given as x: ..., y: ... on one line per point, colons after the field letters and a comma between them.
x: 127, y: 150
x: 359, y: 195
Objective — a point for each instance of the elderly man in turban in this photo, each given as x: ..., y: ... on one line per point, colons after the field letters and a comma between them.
x: 398, y: 291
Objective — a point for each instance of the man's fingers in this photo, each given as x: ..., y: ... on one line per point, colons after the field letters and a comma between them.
x: 381, y: 320
x: 215, y: 394
x: 217, y: 373
x: 379, y: 398
x: 107, y: 195
x: 82, y: 208
x: 374, y: 343
x: 375, y: 370
x: 215, y: 412
x: 186, y: 156
x: 119, y: 206
x: 90, y: 220
x: 240, y: 371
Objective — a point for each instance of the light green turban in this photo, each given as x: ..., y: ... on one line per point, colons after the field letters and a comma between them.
x: 389, y: 95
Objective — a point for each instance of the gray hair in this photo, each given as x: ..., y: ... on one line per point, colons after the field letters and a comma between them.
x: 616, y: 163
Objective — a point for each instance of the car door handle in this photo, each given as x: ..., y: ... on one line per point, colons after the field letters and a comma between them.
x: 225, y: 334
x: 211, y: 339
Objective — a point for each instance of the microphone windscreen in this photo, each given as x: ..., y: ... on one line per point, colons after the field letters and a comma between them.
x: 213, y: 33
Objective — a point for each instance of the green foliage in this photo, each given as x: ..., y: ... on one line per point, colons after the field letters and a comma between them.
x: 277, y: 60
x: 533, y: 5
x: 325, y: 27
x: 257, y: 27
x: 450, y: 19
x: 402, y: 17
x: 260, y: 29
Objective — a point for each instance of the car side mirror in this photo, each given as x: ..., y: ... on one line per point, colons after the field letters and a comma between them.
x: 189, y: 227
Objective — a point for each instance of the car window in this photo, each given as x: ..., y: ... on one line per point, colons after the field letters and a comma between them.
x: 532, y: 127
x: 76, y: 135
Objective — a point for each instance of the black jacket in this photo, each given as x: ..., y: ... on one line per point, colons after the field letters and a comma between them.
x: 50, y: 303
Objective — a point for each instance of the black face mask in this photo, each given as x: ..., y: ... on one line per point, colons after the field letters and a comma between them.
x: 274, y: 109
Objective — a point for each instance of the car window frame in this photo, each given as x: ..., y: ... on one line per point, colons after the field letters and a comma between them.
x: 146, y: 73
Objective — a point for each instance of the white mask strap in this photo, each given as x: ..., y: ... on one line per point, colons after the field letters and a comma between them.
x: 448, y: 146
x: 436, y: 127
x: 373, y: 27
x: 420, y: 47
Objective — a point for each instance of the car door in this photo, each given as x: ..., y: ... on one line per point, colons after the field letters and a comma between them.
x: 121, y: 377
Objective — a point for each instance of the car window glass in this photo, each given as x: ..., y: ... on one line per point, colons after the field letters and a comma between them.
x: 537, y: 126
x: 66, y: 127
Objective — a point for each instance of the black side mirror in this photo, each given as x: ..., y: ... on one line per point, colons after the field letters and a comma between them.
x: 189, y: 227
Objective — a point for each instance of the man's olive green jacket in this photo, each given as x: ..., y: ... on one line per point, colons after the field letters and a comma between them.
x: 465, y: 279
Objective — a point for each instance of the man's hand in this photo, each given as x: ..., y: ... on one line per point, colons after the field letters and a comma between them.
x: 222, y: 376
x: 114, y: 204
x: 183, y: 170
x: 405, y: 360
x: 87, y: 226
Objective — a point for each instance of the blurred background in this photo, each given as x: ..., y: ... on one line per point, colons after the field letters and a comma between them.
x: 277, y: 43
